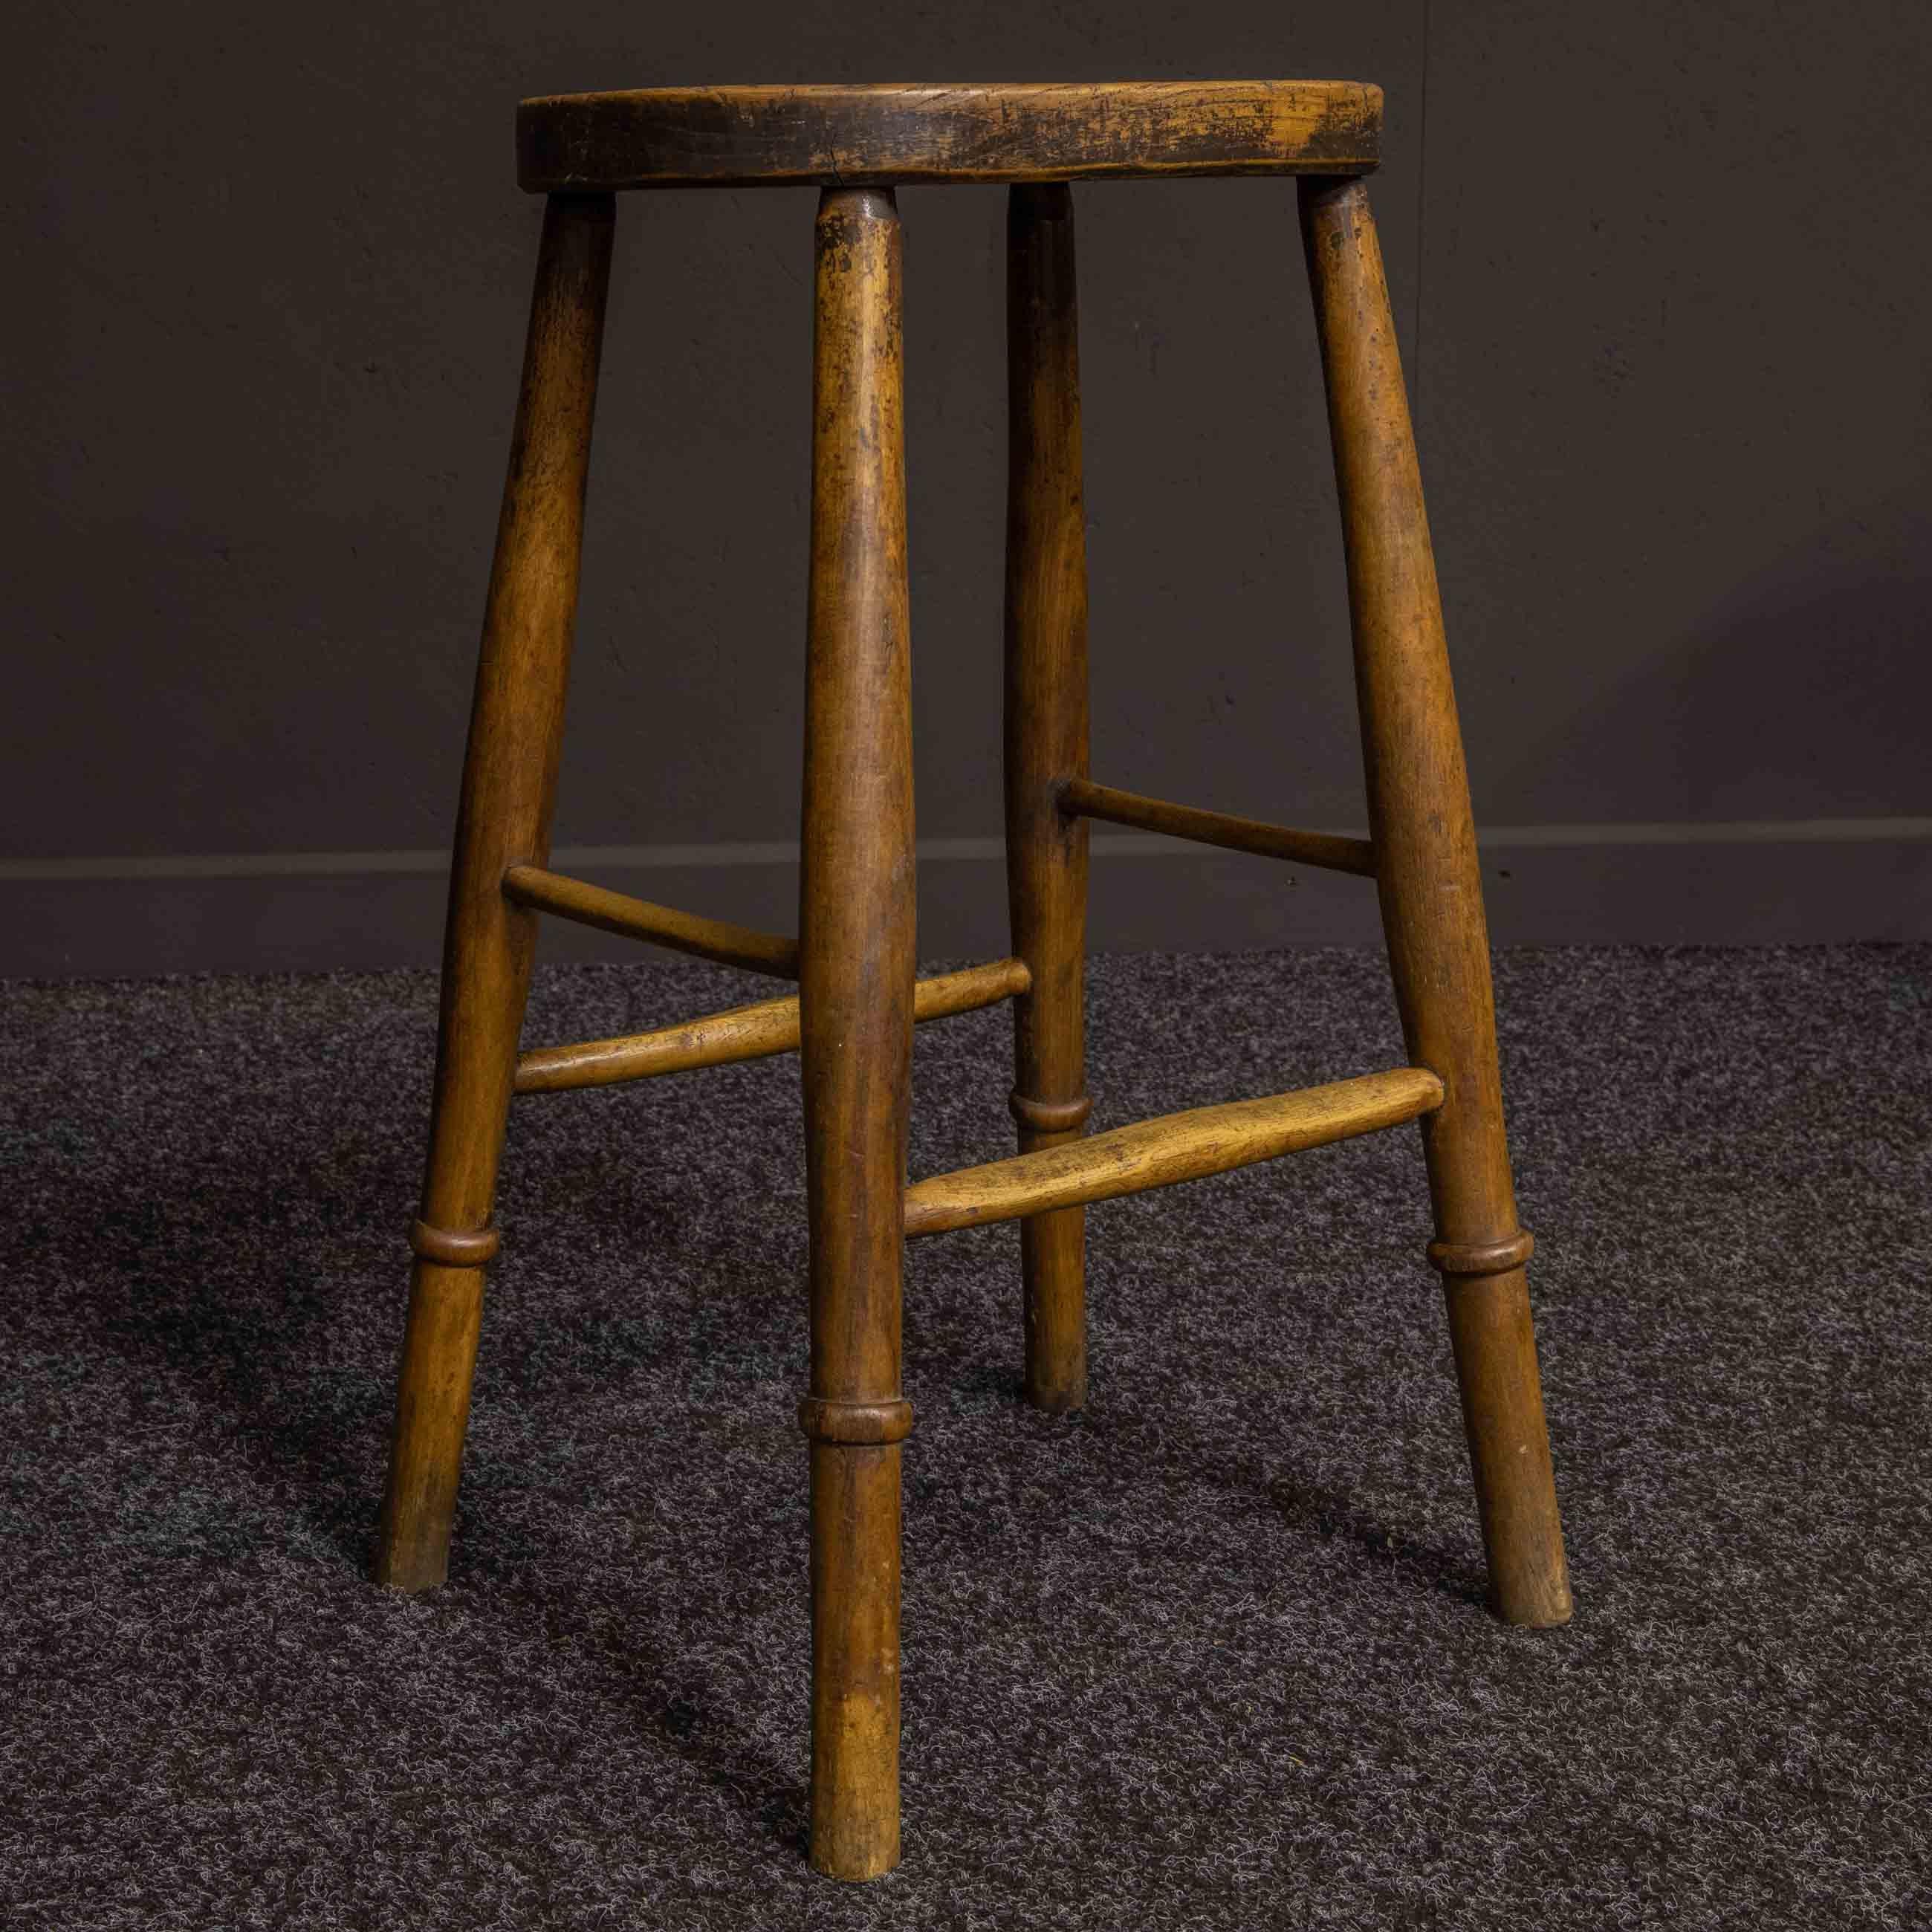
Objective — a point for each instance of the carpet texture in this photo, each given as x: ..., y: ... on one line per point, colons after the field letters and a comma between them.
x: 1212, y: 1654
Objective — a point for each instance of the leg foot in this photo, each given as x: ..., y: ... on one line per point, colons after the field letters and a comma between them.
x: 855, y: 1659
x: 433, y: 1415
x: 1495, y: 1345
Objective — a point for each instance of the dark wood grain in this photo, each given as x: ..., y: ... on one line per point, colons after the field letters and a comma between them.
x: 509, y: 783
x: 750, y: 136
x: 1430, y: 886
x: 1046, y: 735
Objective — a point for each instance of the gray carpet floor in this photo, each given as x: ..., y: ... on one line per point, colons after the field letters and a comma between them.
x: 1211, y: 1653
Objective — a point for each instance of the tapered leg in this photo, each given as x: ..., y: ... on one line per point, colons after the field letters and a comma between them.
x: 1046, y: 744
x: 856, y: 975
x: 509, y: 779
x: 1432, y: 904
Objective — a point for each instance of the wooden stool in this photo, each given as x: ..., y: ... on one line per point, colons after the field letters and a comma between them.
x: 858, y: 997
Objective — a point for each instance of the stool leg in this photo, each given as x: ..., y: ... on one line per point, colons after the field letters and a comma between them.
x: 856, y: 967
x: 1046, y: 744
x: 1432, y: 904
x: 509, y: 779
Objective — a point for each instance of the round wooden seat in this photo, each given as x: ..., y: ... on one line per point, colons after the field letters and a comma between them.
x: 857, y: 136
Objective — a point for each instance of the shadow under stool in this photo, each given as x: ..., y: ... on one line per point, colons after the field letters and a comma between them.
x: 858, y: 996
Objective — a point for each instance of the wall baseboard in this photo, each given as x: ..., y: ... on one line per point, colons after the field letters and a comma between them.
x: 1756, y: 883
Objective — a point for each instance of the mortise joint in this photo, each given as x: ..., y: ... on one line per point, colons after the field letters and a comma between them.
x: 1050, y: 1117
x: 851, y: 1424
x: 1480, y: 1257
x: 474, y: 1248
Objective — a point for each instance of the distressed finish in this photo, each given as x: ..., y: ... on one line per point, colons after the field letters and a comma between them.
x: 745, y: 1033
x: 858, y: 998
x: 827, y: 137
x: 1179, y: 1147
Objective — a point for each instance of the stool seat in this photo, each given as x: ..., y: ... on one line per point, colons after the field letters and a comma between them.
x: 858, y: 137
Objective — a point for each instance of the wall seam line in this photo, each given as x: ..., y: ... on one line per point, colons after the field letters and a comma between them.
x: 699, y: 857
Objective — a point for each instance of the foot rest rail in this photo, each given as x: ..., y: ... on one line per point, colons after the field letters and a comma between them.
x: 744, y: 1033
x: 1176, y: 1147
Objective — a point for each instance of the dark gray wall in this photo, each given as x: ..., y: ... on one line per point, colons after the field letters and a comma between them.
x: 1665, y: 298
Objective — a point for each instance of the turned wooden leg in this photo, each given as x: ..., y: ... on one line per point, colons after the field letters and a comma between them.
x: 1432, y: 904
x: 509, y: 778
x: 856, y: 974
x: 1045, y: 745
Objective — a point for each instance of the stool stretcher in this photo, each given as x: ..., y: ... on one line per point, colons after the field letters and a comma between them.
x: 1176, y: 1147
x: 716, y: 939
x: 1324, y: 849
x: 743, y: 1032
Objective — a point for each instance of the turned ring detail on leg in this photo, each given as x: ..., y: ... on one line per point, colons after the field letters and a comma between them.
x: 1481, y: 1257
x: 448, y: 1247
x: 872, y: 1424
x: 1049, y: 1116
